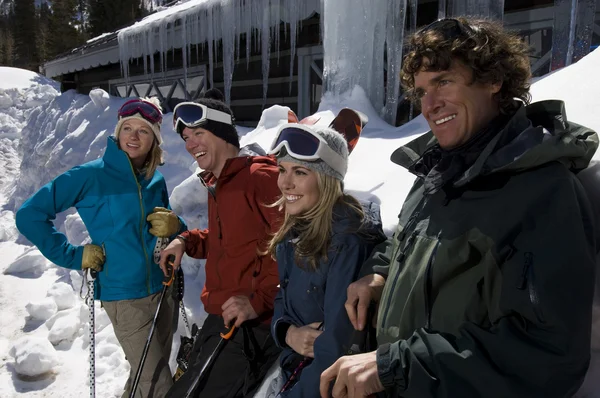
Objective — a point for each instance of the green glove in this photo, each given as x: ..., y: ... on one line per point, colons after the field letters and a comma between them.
x: 164, y: 222
x: 93, y: 257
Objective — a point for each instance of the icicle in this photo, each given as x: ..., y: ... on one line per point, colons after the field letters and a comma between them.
x: 184, y: 48
x: 208, y: 21
x: 276, y: 24
x: 413, y: 15
x: 292, y: 6
x: 266, y: 48
x: 586, y: 10
x: 442, y: 9
x: 247, y: 29
x: 396, y: 16
x: 497, y: 10
x: 238, y: 19
x: 162, y: 37
x: 210, y: 38
x: 227, y: 24
x: 560, y: 33
x: 353, y: 44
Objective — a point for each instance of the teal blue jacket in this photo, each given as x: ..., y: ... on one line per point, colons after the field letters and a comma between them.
x: 113, y: 203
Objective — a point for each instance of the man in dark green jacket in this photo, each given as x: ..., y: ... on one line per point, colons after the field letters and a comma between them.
x: 485, y: 289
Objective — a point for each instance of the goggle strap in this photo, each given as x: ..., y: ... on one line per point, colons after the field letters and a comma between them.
x: 218, y: 116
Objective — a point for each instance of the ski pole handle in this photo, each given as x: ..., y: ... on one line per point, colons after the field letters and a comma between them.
x: 171, y: 277
x: 228, y: 335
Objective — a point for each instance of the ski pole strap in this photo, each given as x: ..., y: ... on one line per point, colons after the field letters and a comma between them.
x: 161, y: 244
x: 171, y: 277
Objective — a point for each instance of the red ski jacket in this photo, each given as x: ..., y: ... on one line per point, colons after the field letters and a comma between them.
x: 239, y: 227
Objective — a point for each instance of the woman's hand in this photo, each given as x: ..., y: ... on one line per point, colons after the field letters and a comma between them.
x: 164, y: 222
x: 302, y: 339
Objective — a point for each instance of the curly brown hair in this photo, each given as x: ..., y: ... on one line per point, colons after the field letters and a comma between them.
x: 492, y: 53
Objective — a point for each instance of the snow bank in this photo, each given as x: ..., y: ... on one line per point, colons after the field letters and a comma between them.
x: 63, y: 295
x: 43, y: 309
x: 33, y: 356
x: 32, y: 261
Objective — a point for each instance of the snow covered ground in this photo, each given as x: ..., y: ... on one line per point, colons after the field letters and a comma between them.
x: 43, y: 320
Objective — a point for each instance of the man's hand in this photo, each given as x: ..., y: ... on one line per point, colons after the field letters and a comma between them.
x: 92, y: 258
x: 355, y: 377
x: 302, y: 339
x: 238, y: 308
x: 360, y: 294
x: 176, y: 248
x: 164, y: 222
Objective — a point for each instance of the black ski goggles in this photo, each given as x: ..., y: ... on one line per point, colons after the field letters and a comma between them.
x: 147, y: 110
x: 191, y: 114
x: 449, y: 28
x: 302, y: 143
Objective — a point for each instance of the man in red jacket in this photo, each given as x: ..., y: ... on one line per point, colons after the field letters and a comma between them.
x: 241, y: 282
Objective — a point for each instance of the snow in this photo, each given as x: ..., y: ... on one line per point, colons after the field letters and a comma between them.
x: 33, y: 356
x: 43, y: 317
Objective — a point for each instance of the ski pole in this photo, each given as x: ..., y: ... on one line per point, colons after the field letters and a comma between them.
x: 210, y: 360
x: 90, y: 303
x: 166, y: 283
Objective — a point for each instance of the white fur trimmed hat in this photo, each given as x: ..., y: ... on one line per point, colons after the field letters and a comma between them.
x: 139, y: 115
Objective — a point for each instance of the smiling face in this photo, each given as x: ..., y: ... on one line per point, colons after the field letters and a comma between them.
x: 299, y: 186
x: 136, y: 138
x: 455, y: 107
x: 210, y: 151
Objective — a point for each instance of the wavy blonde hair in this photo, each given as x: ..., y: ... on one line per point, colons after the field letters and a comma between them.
x: 314, y: 228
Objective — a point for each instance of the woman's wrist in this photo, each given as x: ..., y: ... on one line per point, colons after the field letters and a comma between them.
x: 288, y: 334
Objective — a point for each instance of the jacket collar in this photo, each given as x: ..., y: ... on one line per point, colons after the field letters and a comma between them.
x: 533, y: 135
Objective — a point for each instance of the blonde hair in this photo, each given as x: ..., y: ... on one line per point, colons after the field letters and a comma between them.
x: 154, y: 158
x: 314, y: 228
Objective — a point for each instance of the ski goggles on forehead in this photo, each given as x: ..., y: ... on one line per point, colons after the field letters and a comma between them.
x: 302, y: 143
x: 450, y: 28
x: 147, y: 110
x: 191, y: 114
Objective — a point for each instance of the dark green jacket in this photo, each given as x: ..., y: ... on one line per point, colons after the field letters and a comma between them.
x: 490, y: 274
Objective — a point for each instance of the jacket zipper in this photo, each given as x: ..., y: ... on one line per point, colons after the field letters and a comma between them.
x: 213, y: 192
x: 429, y: 283
x: 528, y: 281
x: 400, y: 260
x: 409, y: 224
x: 139, y: 188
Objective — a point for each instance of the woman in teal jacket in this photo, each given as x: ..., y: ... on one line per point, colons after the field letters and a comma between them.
x: 123, y: 201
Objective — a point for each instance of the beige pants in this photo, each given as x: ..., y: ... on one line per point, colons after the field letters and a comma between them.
x: 132, y: 320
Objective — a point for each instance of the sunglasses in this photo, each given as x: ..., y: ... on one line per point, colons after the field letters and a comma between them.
x: 449, y: 28
x: 191, y: 114
x: 302, y: 143
x: 147, y: 110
